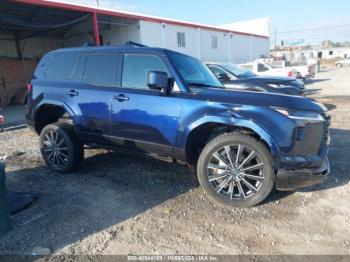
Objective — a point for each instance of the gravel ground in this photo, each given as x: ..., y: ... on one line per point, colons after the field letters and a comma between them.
x: 119, y: 204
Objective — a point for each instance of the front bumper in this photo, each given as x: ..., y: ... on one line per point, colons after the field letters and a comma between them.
x: 292, y: 179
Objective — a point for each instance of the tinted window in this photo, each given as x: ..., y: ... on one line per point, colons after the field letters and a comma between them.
x: 60, y: 65
x: 101, y: 69
x: 136, y: 68
x: 193, y: 71
x: 79, y: 68
x: 262, y: 68
x: 217, y: 70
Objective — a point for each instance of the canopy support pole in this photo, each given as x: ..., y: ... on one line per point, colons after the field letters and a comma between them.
x: 96, y: 31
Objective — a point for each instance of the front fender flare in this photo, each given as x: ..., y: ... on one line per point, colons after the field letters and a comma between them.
x: 229, y: 121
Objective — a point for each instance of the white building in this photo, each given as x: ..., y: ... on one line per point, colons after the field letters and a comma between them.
x: 302, y: 56
x: 115, y: 27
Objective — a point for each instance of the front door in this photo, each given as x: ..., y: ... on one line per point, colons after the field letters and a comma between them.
x: 142, y: 118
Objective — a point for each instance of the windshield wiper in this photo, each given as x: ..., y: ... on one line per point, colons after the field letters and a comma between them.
x: 204, y: 85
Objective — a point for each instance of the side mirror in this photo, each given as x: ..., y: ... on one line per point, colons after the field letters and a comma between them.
x: 223, y: 76
x: 157, y: 80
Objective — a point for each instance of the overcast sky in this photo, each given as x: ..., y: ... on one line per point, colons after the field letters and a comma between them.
x: 328, y: 19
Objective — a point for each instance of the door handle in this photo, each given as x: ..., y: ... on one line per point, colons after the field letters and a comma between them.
x: 121, y: 98
x: 72, y: 93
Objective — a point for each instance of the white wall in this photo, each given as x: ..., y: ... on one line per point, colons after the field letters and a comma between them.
x: 261, y: 46
x: 208, y: 52
x: 170, y: 39
x: 119, y: 35
x: 165, y: 35
x: 258, y: 26
x: 151, y: 34
x: 241, y: 49
x: 244, y: 48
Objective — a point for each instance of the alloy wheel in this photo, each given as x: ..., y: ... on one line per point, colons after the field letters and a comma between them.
x: 235, y: 172
x: 56, y: 149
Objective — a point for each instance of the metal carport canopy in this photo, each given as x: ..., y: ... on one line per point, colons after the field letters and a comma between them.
x: 98, y: 10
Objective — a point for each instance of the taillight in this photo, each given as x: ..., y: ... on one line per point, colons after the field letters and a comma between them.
x: 28, y: 87
x: 290, y: 73
x: 2, y: 120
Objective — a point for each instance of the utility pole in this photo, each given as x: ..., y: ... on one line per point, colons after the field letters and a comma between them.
x: 98, y: 4
x: 275, y: 38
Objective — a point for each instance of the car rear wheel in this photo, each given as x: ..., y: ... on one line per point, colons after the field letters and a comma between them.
x: 60, y: 148
x: 236, y: 170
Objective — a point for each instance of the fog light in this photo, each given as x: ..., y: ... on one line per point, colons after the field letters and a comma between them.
x: 293, y: 159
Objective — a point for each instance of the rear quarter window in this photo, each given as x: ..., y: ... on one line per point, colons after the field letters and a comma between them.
x: 101, y: 69
x: 60, y: 65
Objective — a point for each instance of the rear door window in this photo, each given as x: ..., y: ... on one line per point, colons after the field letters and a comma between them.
x: 100, y: 69
x: 60, y: 65
x: 79, y: 68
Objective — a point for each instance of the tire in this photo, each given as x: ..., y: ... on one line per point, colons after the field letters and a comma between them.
x: 220, y: 180
x: 60, y: 148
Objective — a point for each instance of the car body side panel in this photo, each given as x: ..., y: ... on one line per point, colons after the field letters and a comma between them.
x: 278, y: 132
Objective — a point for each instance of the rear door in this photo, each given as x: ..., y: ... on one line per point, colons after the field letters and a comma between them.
x: 90, y: 95
x: 142, y: 118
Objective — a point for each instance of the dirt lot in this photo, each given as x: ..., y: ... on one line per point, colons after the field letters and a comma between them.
x: 121, y: 204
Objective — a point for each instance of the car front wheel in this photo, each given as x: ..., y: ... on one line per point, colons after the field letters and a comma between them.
x: 60, y: 148
x: 236, y: 170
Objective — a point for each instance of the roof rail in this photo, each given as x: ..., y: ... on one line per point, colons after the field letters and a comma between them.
x: 88, y: 44
x: 134, y: 44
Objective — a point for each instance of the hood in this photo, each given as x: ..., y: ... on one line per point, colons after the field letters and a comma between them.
x: 272, y: 79
x: 259, y: 99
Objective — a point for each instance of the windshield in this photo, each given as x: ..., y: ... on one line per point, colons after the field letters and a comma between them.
x: 194, y: 72
x: 239, y: 72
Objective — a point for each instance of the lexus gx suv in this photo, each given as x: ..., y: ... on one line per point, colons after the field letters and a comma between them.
x: 169, y: 105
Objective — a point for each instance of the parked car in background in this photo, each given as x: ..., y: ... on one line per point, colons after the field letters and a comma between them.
x: 341, y: 63
x: 303, y: 71
x: 170, y: 106
x: 268, y: 70
x: 232, y: 77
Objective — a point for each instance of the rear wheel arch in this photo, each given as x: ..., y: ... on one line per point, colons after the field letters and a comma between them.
x: 49, y: 113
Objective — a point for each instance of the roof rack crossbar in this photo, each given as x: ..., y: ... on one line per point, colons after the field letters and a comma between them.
x: 131, y: 43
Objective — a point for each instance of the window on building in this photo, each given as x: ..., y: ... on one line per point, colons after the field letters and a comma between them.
x: 214, y: 42
x: 101, y: 69
x: 181, y: 39
x: 136, y: 68
x: 330, y: 52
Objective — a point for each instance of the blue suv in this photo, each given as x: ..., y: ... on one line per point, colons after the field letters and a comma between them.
x: 170, y: 106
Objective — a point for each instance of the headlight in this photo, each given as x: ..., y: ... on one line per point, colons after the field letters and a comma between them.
x: 300, y: 114
x: 297, y: 85
x: 278, y: 85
